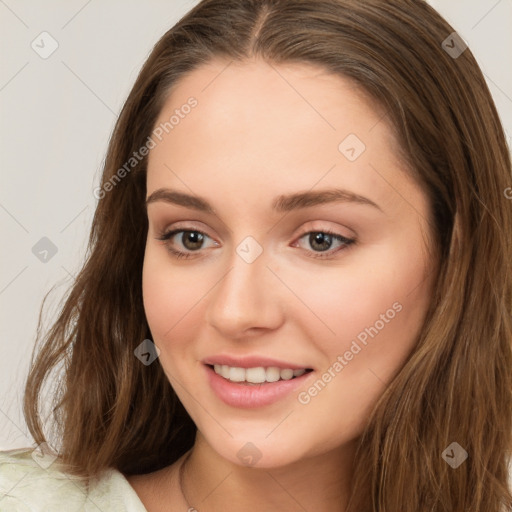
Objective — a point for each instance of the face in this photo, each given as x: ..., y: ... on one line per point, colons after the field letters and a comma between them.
x: 312, y: 254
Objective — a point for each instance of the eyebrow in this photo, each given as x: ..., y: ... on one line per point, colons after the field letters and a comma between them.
x: 282, y: 203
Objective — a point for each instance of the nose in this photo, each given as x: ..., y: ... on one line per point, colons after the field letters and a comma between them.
x: 247, y: 300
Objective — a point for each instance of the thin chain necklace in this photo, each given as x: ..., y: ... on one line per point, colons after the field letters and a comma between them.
x: 182, y: 467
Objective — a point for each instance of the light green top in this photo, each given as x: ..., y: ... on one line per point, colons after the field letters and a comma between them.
x: 32, y: 482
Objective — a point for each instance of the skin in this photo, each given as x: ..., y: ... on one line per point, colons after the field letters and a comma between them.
x: 260, y: 131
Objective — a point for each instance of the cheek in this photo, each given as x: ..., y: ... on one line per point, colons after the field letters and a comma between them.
x: 374, y: 308
x: 171, y: 298
x: 376, y: 319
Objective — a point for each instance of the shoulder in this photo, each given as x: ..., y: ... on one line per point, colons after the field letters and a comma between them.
x: 32, y: 482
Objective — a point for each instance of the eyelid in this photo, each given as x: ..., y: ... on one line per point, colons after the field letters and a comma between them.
x: 329, y: 254
x: 184, y: 226
x: 316, y: 227
x: 346, y: 244
x: 167, y: 234
x: 303, y: 231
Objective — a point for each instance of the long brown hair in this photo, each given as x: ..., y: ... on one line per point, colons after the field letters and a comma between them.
x: 113, y: 411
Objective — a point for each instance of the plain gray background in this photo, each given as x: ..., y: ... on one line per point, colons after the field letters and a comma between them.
x: 56, y: 117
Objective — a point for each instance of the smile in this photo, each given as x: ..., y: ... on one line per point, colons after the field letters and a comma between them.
x: 249, y: 395
x: 258, y: 374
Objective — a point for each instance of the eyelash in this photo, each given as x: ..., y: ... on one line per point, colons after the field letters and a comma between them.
x: 167, y: 235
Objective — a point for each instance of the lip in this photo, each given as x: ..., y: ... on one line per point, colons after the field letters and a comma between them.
x: 247, y: 396
x: 251, y: 362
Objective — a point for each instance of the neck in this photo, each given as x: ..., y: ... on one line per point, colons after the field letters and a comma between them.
x: 320, y: 483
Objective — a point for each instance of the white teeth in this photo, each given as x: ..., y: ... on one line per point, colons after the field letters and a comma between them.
x: 287, y: 374
x: 236, y: 374
x: 256, y: 375
x: 273, y: 374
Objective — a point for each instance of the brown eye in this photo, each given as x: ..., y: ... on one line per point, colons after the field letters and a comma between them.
x: 190, y: 241
x: 322, y: 241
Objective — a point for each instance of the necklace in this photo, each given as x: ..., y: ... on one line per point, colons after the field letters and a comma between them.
x: 182, y: 467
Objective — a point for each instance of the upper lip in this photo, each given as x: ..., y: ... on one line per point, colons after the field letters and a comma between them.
x: 252, y: 362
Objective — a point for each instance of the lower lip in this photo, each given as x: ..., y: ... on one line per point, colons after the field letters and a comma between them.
x: 250, y: 396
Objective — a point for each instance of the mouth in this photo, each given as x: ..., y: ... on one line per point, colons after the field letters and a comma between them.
x: 237, y: 391
x: 257, y: 375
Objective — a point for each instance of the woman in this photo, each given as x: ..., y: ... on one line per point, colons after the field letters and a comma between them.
x: 298, y: 291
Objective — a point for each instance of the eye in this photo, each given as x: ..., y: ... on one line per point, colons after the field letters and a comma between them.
x: 192, y: 240
x: 322, y: 241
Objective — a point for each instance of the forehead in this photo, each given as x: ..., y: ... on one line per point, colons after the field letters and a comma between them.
x: 271, y: 96
x: 258, y: 126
